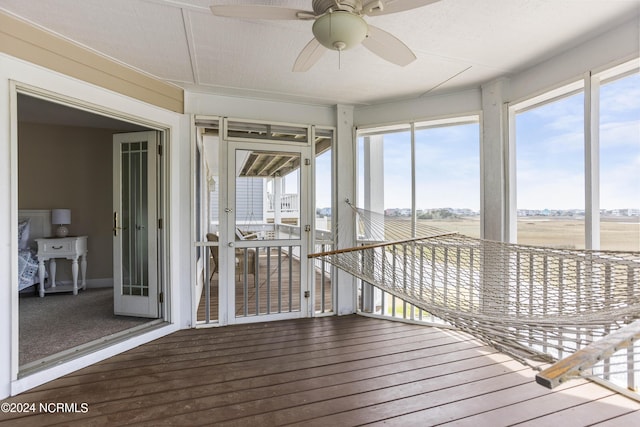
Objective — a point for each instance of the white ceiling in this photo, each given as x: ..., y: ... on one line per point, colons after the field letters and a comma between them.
x: 180, y: 41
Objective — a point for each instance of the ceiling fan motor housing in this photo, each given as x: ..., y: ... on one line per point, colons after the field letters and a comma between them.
x: 340, y: 30
x: 323, y: 6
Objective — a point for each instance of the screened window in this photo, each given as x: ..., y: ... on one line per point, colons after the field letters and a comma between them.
x: 425, y: 173
x: 448, y: 177
x: 385, y: 180
x: 620, y: 163
x: 324, y: 219
x: 575, y: 190
x: 550, y: 153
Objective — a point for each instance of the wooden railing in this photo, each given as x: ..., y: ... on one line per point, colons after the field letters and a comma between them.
x: 288, y: 202
x: 376, y: 301
x: 598, y: 356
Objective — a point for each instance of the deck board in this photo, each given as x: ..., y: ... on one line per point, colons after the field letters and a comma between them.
x: 513, y: 397
x: 591, y: 411
x: 575, y: 392
x: 630, y: 418
x: 348, y: 370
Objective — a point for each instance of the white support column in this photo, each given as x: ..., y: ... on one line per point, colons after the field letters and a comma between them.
x: 277, y: 202
x: 374, y: 177
x: 298, y: 193
x: 493, y: 150
x: 373, y: 165
x: 265, y: 198
x: 414, y: 208
x: 592, y: 161
x: 511, y: 193
x: 345, y: 189
x: 494, y: 206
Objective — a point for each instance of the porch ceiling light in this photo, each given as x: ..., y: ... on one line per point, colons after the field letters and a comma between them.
x: 340, y: 30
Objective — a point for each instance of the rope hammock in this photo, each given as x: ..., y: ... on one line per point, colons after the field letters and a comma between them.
x: 535, y: 303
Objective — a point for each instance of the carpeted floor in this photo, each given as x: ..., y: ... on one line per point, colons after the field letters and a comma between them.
x: 60, y: 322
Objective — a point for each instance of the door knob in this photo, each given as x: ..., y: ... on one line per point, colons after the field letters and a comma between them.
x: 115, y: 224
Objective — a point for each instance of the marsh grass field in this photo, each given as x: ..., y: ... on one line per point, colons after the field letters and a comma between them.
x: 615, y: 234
x: 621, y: 234
x: 618, y: 234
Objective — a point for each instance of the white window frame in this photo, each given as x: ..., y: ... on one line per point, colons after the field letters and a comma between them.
x: 412, y: 127
x: 590, y: 84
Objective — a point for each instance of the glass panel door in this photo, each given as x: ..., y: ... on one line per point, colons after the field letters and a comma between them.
x: 267, y: 247
x: 134, y: 218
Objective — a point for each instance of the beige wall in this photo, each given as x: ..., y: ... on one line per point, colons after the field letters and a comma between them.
x: 70, y: 167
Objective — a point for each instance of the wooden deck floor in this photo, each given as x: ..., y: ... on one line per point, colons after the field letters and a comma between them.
x: 270, y: 297
x: 330, y: 371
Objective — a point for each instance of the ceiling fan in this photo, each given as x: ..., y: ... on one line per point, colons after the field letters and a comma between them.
x: 338, y: 25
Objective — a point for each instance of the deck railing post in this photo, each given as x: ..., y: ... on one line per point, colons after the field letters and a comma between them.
x: 545, y: 296
x: 291, y: 278
x: 445, y: 274
x: 366, y: 290
x: 268, y: 280
x: 421, y: 277
x: 560, y: 303
x: 631, y: 360
x: 256, y: 282
x: 405, y: 271
x: 458, y: 260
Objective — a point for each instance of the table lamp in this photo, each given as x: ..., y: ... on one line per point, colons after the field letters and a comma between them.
x: 61, y: 217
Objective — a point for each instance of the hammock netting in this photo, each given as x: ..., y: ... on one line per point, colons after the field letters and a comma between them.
x: 537, y: 304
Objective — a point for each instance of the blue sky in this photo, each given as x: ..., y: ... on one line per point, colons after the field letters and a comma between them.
x: 323, y: 180
x: 550, y: 155
x: 620, y: 144
x: 550, y: 150
x: 447, y: 168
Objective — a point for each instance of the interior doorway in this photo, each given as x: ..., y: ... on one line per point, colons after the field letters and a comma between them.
x: 135, y: 224
x: 65, y: 161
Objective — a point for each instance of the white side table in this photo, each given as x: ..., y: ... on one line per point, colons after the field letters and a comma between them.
x: 71, y: 248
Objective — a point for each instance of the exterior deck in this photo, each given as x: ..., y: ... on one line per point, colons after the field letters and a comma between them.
x: 339, y: 371
x: 262, y: 293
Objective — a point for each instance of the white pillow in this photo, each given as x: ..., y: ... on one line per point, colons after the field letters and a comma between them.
x: 24, y: 226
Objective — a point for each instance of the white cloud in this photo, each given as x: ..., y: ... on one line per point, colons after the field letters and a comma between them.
x: 558, y: 189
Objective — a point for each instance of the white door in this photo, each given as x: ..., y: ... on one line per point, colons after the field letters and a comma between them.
x: 135, y: 224
x: 269, y: 230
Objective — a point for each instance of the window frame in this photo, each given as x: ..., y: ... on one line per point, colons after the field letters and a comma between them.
x: 589, y: 83
x: 412, y: 127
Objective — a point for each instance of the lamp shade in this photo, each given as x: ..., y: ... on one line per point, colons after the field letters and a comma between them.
x: 340, y: 30
x: 61, y: 216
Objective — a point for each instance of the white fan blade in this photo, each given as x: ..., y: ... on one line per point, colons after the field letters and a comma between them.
x: 388, y: 47
x: 260, y: 12
x: 372, y: 8
x: 311, y: 53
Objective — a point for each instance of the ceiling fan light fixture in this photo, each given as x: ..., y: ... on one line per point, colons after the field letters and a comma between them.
x: 340, y: 30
